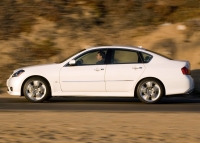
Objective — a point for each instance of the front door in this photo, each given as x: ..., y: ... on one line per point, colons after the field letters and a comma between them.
x: 87, y: 75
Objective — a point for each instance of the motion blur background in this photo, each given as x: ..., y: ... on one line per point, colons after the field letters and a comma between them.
x: 47, y: 31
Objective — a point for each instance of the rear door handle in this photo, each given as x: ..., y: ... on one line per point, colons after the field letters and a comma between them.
x: 137, y: 68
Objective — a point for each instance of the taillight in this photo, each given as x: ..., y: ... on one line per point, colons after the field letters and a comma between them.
x: 185, y: 71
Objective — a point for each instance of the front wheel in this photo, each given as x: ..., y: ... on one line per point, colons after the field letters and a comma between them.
x: 150, y: 90
x: 36, y: 90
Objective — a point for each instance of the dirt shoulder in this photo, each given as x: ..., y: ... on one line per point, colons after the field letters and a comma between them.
x: 99, y: 127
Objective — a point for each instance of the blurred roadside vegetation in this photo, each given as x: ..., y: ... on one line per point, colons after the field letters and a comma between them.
x: 34, y: 52
x: 86, y: 16
x: 18, y: 16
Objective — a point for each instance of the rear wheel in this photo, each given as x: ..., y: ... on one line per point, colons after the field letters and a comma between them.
x: 150, y: 90
x: 36, y: 89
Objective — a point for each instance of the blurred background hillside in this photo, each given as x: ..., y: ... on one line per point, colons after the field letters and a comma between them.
x: 46, y: 31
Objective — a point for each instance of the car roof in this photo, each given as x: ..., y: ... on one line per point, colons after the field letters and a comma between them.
x: 137, y: 48
x: 118, y: 47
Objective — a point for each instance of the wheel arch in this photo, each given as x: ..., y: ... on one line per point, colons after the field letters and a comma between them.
x: 135, y: 90
x: 22, y: 94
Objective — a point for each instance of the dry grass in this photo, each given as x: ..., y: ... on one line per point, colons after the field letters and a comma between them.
x: 99, y: 127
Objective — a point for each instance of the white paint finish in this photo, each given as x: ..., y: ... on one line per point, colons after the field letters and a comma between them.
x: 122, y: 77
x: 179, y: 86
x: 83, y: 78
x: 96, y: 94
x: 50, y: 72
x: 170, y: 74
x: 85, y: 81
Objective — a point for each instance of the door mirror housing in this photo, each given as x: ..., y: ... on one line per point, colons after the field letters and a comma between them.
x: 72, y: 62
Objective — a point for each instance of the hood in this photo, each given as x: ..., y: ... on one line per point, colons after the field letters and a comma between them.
x: 37, y: 67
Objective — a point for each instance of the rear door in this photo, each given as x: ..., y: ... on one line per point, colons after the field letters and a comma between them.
x: 123, y: 71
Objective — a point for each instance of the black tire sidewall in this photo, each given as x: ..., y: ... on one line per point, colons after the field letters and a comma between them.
x: 48, y: 93
x: 154, y: 80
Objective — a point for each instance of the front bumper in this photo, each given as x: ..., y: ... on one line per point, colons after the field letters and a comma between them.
x: 14, y: 86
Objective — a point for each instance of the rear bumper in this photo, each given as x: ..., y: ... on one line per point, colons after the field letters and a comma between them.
x: 189, y: 91
x: 191, y: 85
x: 183, y: 85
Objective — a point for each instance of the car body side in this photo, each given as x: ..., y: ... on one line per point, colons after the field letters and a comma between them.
x: 168, y: 72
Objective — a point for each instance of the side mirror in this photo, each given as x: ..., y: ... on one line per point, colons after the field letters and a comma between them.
x: 72, y: 62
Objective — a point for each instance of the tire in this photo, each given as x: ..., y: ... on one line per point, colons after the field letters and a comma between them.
x: 36, y: 90
x: 49, y: 97
x: 150, y: 90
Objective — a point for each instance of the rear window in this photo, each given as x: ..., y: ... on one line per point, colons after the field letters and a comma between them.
x: 160, y: 55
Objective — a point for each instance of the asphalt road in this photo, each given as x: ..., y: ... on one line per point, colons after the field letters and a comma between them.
x: 189, y: 103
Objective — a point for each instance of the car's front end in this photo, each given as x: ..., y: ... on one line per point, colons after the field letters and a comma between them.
x: 15, y: 82
x: 49, y: 72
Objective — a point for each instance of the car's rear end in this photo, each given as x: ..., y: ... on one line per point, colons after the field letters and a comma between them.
x: 180, y: 81
x: 186, y: 71
x: 175, y: 75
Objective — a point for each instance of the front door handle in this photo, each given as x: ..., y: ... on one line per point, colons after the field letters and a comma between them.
x: 98, y: 69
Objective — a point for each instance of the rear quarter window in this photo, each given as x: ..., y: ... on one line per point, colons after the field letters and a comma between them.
x: 146, y: 57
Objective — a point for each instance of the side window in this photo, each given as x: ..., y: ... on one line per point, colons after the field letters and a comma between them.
x: 124, y: 57
x: 146, y: 57
x: 91, y: 58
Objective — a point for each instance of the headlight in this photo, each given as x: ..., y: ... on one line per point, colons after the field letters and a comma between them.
x: 18, y: 73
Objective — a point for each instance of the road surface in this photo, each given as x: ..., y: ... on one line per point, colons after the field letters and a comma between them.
x: 189, y: 103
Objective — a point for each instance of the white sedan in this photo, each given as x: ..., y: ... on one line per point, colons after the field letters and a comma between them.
x: 109, y: 71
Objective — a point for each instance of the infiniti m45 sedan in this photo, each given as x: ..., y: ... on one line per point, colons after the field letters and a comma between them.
x: 108, y: 71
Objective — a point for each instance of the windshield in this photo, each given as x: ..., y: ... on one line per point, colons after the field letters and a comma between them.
x: 62, y: 60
